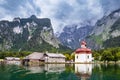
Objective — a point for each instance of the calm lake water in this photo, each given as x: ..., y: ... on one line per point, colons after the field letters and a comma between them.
x: 60, y: 72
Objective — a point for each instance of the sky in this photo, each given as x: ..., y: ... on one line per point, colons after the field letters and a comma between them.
x: 61, y: 12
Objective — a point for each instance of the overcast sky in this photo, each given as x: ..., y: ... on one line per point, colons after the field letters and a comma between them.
x: 61, y: 12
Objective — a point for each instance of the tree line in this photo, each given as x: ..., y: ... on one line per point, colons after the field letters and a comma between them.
x: 20, y: 54
x: 109, y: 54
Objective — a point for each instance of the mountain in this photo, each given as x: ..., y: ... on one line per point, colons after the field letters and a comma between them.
x: 106, y: 32
x: 32, y: 34
x: 73, y: 34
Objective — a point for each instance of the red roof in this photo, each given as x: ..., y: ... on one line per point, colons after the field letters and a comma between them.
x: 83, y: 50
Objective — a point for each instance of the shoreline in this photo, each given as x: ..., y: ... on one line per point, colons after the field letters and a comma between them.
x: 94, y: 62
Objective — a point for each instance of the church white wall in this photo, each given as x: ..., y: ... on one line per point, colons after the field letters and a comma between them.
x: 83, y: 57
x: 90, y: 57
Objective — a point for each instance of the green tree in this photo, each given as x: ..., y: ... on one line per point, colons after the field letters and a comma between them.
x: 73, y: 56
x: 107, y: 56
x: 68, y: 56
x: 96, y: 55
x: 118, y: 55
x: 114, y: 52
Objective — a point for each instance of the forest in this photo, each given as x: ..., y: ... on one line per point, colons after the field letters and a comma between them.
x: 109, y: 54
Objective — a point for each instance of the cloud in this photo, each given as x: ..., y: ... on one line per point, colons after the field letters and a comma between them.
x: 17, y: 8
x: 61, y: 12
x: 109, y: 5
x: 65, y: 12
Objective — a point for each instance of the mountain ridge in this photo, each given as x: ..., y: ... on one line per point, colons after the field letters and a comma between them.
x: 103, y: 30
x: 30, y: 34
x: 98, y: 35
x: 73, y: 34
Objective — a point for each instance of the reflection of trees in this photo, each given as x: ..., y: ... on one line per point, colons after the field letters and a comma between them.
x: 69, y: 73
x: 106, y: 72
x: 13, y: 72
x: 69, y: 68
x: 4, y: 72
x: 99, y: 72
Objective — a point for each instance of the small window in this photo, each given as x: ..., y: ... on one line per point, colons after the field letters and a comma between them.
x: 88, y: 57
x: 77, y: 57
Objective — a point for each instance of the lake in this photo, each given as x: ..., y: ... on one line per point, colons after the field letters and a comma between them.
x: 61, y: 72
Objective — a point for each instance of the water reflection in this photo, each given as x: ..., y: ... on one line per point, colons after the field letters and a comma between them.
x: 48, y: 68
x: 83, y: 71
x: 35, y: 69
x: 54, y: 67
x: 61, y: 72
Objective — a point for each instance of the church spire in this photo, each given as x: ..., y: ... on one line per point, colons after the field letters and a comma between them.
x: 83, y: 44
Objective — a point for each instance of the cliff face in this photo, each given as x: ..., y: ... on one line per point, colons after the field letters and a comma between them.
x: 106, y: 28
x: 73, y: 34
x: 105, y: 33
x: 27, y: 34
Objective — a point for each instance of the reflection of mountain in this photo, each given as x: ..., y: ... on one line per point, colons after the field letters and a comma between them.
x: 83, y: 71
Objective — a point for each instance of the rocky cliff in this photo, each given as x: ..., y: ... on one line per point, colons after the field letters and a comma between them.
x: 105, y: 33
x: 105, y: 29
x: 73, y: 34
x: 31, y: 34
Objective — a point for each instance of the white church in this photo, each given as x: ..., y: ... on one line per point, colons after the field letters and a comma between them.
x: 83, y: 54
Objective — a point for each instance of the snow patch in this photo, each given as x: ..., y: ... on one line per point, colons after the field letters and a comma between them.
x: 117, y: 14
x: 28, y: 24
x: 116, y: 33
x: 69, y: 40
x: 34, y: 24
x: 44, y: 28
x: 17, y: 30
x: 29, y: 37
x: 25, y: 26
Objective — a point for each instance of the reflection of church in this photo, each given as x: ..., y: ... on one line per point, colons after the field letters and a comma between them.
x: 83, y: 71
x: 83, y: 54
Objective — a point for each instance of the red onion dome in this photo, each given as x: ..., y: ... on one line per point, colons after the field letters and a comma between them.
x: 83, y: 50
x: 83, y: 43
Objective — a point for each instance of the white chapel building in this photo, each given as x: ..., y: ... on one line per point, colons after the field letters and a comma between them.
x: 83, y: 54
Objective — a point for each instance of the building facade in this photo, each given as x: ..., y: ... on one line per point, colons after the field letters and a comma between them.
x: 83, y: 54
x: 12, y: 60
x: 37, y: 58
x: 53, y: 57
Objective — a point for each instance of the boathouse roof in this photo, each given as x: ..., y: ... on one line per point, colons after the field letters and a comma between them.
x: 55, y: 55
x: 35, y: 55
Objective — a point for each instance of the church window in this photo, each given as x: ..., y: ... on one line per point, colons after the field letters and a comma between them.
x: 88, y: 57
x: 77, y: 57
